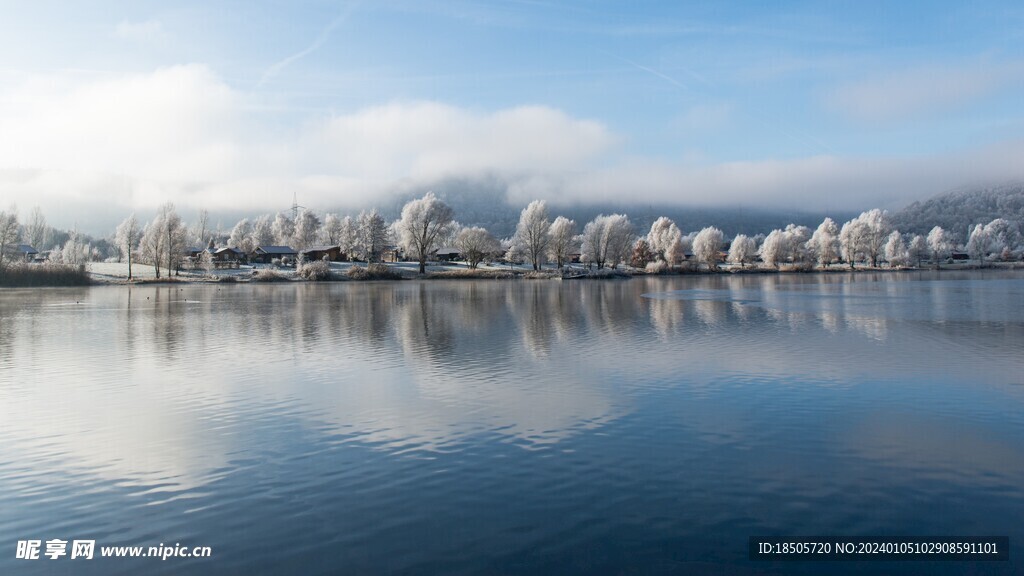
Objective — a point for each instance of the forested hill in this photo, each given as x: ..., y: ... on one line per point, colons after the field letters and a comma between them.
x: 956, y: 211
x: 479, y: 204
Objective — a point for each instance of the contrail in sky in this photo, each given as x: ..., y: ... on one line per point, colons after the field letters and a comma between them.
x: 325, y: 35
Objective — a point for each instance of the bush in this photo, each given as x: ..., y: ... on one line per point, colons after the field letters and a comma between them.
x: 48, y: 274
x: 314, y: 271
x: 268, y: 275
x: 473, y: 273
x: 656, y: 267
x: 230, y: 278
x: 373, y: 272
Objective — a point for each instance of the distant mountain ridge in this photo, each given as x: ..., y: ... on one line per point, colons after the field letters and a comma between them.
x: 959, y: 209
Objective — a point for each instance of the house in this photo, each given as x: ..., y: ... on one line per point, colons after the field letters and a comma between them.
x: 25, y: 252
x: 391, y: 253
x: 227, y: 254
x: 192, y: 252
x: 266, y: 254
x: 447, y: 254
x: 330, y: 253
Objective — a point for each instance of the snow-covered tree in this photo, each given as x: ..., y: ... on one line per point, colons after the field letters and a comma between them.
x: 330, y: 233
x: 979, y: 243
x: 824, y: 243
x: 532, y: 232
x: 917, y: 250
x: 706, y: 246
x: 201, y: 231
x: 348, y: 237
x: 851, y: 240
x: 127, y: 237
x: 642, y: 254
x: 262, y: 232
x: 562, y: 242
x: 283, y: 229
x: 475, y: 244
x: 665, y: 240
x: 896, y: 250
x: 797, y: 238
x: 151, y: 245
x: 9, y: 231
x: 206, y: 262
x: 241, y: 236
x: 307, y: 230
x: 37, y: 232
x: 940, y: 244
x: 174, y: 232
x: 742, y: 250
x: 424, y: 221
x: 773, y: 248
x: 372, y: 235
x: 607, y: 240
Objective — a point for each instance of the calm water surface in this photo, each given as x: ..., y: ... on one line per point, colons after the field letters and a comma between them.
x: 643, y: 426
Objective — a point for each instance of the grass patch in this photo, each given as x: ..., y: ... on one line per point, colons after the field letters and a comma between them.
x: 470, y: 273
x: 48, y: 274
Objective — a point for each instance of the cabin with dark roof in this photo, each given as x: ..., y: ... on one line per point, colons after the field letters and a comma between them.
x: 266, y: 254
x: 228, y: 254
x: 25, y: 252
x: 447, y: 254
x: 329, y: 253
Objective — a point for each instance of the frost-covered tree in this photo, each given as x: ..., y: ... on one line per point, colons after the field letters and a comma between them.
x: 594, y: 243
x: 773, y: 248
x: 348, y: 237
x: 127, y: 237
x: 562, y: 240
x: 206, y: 262
x: 532, y: 232
x: 372, y: 235
x: 665, y: 240
x: 283, y: 229
x: 262, y: 232
x: 37, y: 232
x: 797, y: 238
x: 940, y: 244
x: 851, y: 241
x: 607, y: 240
x: 241, y: 236
x: 423, y: 223
x: 307, y: 230
x: 824, y: 243
x: 330, y: 233
x: 642, y: 254
x: 475, y: 244
x: 742, y: 250
x: 201, y: 231
x: 979, y: 243
x: 9, y: 231
x: 707, y: 245
x: 896, y: 249
x: 917, y: 250
x: 151, y: 245
x: 174, y: 232
x: 75, y: 250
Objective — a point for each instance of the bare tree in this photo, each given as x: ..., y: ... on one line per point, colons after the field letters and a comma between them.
x: 151, y: 245
x: 918, y: 250
x: 423, y: 222
x: 201, y: 229
x: 37, y: 232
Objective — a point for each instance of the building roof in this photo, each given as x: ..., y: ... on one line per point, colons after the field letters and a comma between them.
x: 26, y: 249
x: 276, y: 250
x: 228, y: 249
x: 447, y: 251
x: 321, y: 249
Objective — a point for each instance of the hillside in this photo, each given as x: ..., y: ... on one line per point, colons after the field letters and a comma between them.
x: 958, y: 210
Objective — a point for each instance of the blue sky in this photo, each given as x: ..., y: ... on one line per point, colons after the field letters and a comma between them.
x: 240, y: 104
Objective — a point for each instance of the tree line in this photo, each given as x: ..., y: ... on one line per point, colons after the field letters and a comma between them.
x: 608, y: 241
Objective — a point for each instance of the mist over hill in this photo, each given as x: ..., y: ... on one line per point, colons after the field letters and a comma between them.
x: 485, y: 203
x: 959, y: 209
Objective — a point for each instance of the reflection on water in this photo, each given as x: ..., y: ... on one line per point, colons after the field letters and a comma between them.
x: 511, y: 427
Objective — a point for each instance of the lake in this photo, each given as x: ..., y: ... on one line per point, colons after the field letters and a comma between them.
x: 641, y: 426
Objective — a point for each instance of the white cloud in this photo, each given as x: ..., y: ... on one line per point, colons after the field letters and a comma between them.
x: 147, y: 32
x: 90, y: 151
x: 920, y: 91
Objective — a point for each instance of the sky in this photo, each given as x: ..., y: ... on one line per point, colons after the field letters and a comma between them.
x: 109, y: 107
